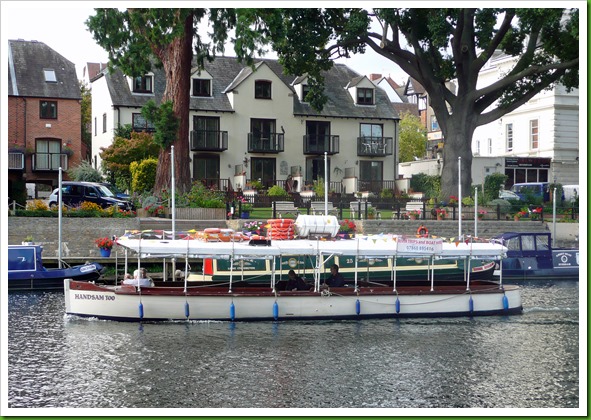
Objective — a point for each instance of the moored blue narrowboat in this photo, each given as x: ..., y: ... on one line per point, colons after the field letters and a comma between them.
x: 26, y: 270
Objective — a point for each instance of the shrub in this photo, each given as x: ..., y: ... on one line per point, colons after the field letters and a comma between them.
x: 37, y: 205
x: 386, y: 193
x: 492, y: 185
x: 277, y: 191
x: 89, y: 206
x: 504, y: 205
x: 143, y: 174
x: 85, y: 172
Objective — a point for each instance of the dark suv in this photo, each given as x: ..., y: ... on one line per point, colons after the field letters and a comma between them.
x: 74, y: 193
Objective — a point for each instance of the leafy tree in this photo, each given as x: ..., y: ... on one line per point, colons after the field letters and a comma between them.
x: 435, y: 46
x: 117, y: 158
x: 413, y: 138
x: 138, y: 38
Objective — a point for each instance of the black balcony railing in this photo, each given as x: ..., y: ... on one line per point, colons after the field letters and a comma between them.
x: 374, y: 146
x: 318, y: 145
x: 207, y: 140
x: 16, y: 160
x: 266, y: 143
x: 50, y: 161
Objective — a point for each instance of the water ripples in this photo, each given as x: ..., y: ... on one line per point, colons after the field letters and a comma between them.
x: 527, y: 361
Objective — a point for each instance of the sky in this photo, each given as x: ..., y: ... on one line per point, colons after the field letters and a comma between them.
x: 60, y: 25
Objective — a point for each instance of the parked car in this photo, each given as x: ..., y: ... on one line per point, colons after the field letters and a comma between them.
x: 118, y: 193
x: 508, y: 195
x: 74, y: 193
x: 534, y: 189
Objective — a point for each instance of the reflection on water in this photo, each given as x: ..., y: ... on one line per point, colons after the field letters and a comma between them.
x: 528, y: 361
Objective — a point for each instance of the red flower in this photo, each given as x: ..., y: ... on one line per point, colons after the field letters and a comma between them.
x: 104, y: 243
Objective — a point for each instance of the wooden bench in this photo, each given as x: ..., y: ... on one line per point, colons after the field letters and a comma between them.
x: 414, y: 205
x: 285, y: 207
x: 317, y: 207
x: 354, y: 207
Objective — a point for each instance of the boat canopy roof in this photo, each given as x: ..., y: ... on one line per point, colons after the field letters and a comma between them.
x: 383, y: 245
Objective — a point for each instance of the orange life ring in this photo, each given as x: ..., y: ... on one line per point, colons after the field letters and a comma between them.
x: 212, y: 230
x: 423, y: 231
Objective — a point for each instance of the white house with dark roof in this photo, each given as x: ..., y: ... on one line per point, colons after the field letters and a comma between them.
x: 252, y: 123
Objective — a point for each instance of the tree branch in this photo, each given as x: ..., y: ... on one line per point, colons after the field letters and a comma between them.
x: 496, y: 41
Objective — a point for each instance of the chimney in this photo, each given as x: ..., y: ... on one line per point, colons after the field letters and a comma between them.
x: 374, y: 76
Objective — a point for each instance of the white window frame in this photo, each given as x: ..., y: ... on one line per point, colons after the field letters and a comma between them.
x: 509, y: 137
x: 534, y: 133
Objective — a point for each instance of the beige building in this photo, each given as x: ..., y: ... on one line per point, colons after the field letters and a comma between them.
x: 251, y: 123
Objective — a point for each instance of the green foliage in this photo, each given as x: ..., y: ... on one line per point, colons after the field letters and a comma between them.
x: 143, y: 174
x: 255, y: 184
x: 504, y: 205
x: 386, y: 193
x: 19, y: 192
x: 492, y: 184
x: 318, y: 187
x: 123, y: 151
x: 430, y: 185
x: 413, y: 137
x: 468, y: 201
x: 164, y: 120
x: 86, y: 113
x: 200, y: 196
x: 124, y: 131
x: 85, y: 172
x: 277, y: 192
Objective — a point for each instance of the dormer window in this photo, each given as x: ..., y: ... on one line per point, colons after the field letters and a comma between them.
x: 201, y: 87
x: 50, y: 75
x: 142, y: 84
x: 262, y: 89
x: 305, y: 90
x: 365, y: 96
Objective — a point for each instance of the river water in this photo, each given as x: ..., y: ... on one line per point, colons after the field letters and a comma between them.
x: 528, y: 361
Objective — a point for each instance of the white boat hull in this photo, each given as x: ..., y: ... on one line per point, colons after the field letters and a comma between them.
x: 162, y: 304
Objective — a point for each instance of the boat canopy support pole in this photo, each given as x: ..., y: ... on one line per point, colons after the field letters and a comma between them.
x: 393, y: 274
x: 431, y: 272
x: 231, y: 272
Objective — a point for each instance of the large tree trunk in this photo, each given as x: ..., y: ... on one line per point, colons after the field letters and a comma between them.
x: 176, y: 60
x: 458, y: 143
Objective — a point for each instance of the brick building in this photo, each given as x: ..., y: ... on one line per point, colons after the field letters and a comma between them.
x: 44, y: 117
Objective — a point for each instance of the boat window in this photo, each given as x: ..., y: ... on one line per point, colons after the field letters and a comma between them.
x: 513, y: 244
x: 21, y: 259
x: 528, y: 243
x: 542, y: 242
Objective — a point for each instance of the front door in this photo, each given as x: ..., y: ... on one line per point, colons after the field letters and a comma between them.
x: 263, y: 169
x: 315, y: 169
x: 206, y: 168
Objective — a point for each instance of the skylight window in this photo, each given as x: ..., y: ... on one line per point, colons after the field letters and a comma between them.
x: 50, y: 75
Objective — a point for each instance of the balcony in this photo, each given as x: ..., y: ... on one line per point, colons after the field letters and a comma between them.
x: 374, y: 146
x: 49, y: 161
x: 209, y: 141
x: 16, y: 161
x: 318, y: 145
x: 271, y: 143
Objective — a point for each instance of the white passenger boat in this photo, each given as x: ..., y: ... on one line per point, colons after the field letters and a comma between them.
x: 236, y: 300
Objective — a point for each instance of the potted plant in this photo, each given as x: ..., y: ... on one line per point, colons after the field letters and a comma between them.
x: 413, y: 214
x: 517, y: 216
x: 155, y: 210
x: 253, y: 227
x: 347, y: 228
x: 28, y: 240
x: 246, y: 208
x: 371, y: 212
x: 441, y: 213
x: 105, y: 245
x: 481, y: 214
